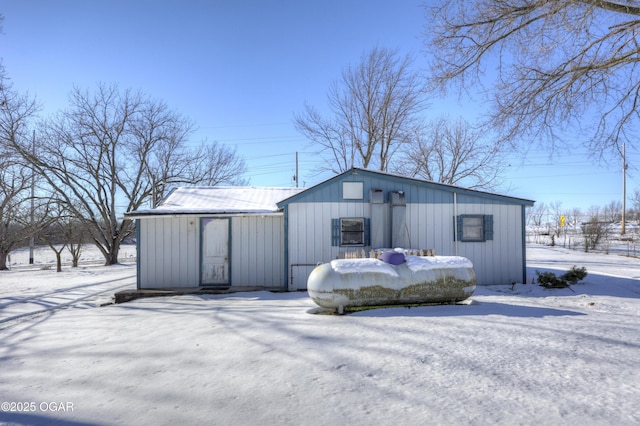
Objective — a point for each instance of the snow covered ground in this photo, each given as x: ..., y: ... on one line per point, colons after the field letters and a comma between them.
x: 521, y: 355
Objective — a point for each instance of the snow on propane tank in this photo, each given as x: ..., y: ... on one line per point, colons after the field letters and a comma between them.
x: 369, y: 282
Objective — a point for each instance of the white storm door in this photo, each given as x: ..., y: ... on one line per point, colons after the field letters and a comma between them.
x: 215, y: 251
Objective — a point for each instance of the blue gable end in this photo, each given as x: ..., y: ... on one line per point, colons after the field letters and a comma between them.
x: 415, y: 190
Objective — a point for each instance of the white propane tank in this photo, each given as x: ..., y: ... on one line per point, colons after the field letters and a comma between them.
x: 370, y: 282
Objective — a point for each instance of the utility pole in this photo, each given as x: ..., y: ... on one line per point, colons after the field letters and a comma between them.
x: 297, y: 169
x: 33, y: 184
x: 624, y: 189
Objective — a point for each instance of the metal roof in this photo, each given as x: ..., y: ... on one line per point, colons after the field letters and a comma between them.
x: 220, y: 200
x: 268, y: 200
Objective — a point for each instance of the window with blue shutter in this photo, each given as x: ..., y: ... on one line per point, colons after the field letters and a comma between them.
x: 351, y: 231
x: 473, y: 228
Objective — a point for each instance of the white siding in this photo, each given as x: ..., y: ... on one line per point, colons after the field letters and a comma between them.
x: 310, y: 229
x: 257, y: 251
x: 168, y: 252
x: 500, y: 260
x: 430, y: 225
x: 310, y: 235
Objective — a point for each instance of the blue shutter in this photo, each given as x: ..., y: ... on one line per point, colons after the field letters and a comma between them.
x: 335, y: 232
x: 458, y: 228
x: 367, y: 231
x: 488, y: 227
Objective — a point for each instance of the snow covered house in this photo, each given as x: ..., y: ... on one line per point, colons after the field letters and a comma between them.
x: 272, y: 238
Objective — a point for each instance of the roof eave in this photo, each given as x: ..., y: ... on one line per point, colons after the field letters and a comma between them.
x: 146, y: 214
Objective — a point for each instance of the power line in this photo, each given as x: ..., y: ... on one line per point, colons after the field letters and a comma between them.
x: 563, y: 175
x: 246, y: 125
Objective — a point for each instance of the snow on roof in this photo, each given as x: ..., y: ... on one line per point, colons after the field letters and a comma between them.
x: 220, y: 199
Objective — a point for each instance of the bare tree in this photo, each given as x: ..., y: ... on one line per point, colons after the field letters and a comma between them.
x: 16, y: 113
x: 453, y: 153
x: 556, y: 62
x: 574, y: 216
x: 111, y: 151
x: 595, y: 229
x: 535, y: 215
x: 634, y: 213
x: 635, y: 199
x: 57, y: 249
x: 75, y: 236
x: 535, y: 221
x: 57, y: 232
x: 14, y: 216
x: 612, y: 212
x: 556, y: 212
x: 375, y: 106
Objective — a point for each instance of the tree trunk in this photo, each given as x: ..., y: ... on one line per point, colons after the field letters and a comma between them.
x: 75, y: 250
x: 58, y: 255
x: 3, y: 261
x: 111, y: 257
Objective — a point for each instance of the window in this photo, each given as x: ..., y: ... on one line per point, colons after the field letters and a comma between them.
x: 350, y: 231
x: 474, y: 228
x: 352, y: 190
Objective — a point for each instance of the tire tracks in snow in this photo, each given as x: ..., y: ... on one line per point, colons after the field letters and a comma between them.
x: 50, y: 302
x: 56, y: 292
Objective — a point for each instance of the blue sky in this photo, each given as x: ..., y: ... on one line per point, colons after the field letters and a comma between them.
x: 241, y: 69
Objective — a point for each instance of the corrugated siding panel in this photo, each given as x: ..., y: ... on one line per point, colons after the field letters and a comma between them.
x: 257, y: 251
x: 168, y: 252
x: 310, y: 232
x: 498, y: 261
x: 175, y: 237
x: 430, y: 226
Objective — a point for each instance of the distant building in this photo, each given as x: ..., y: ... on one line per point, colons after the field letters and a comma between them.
x: 272, y: 238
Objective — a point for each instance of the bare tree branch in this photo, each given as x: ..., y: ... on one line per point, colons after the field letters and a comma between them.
x: 376, y: 108
x: 111, y: 151
x: 452, y: 152
x: 557, y: 63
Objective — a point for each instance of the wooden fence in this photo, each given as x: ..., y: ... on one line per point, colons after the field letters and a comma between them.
x: 375, y: 254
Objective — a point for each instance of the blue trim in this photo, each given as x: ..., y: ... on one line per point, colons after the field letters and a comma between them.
x: 335, y: 232
x: 229, y: 250
x: 138, y: 251
x: 488, y: 227
x: 367, y: 232
x: 201, y: 230
x: 523, y: 219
